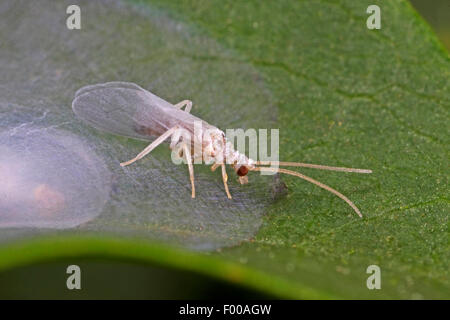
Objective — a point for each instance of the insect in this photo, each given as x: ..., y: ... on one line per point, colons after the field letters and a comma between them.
x: 127, y: 109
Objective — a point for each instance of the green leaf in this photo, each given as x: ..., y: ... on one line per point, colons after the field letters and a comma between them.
x: 340, y: 94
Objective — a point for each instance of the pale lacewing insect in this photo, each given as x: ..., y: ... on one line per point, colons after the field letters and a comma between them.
x: 127, y: 109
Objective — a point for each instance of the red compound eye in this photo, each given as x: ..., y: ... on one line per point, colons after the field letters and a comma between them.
x: 242, y: 171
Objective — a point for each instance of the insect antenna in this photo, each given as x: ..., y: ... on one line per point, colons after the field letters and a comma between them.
x: 313, y: 166
x: 317, y: 183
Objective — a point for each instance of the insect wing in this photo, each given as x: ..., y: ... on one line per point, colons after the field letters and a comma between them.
x: 122, y: 108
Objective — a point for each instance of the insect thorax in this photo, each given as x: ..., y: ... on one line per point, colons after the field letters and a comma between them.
x: 217, y: 147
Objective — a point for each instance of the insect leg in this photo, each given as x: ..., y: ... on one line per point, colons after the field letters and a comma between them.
x: 186, y: 103
x: 214, y: 167
x: 187, y: 154
x: 225, y: 179
x: 151, y: 146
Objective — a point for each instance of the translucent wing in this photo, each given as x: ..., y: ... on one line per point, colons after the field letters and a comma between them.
x: 125, y: 109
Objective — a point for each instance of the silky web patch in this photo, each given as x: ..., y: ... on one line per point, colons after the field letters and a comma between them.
x: 44, y: 64
x: 49, y: 179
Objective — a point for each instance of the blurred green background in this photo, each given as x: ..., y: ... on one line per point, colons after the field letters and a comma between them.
x: 437, y: 14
